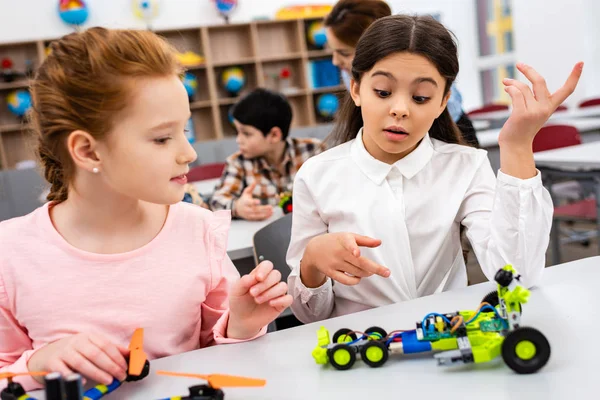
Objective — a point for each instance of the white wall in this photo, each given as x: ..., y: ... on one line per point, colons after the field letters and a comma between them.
x: 459, y: 16
x: 552, y: 35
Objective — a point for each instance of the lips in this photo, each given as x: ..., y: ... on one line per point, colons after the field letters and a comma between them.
x: 181, y: 179
x: 396, y: 129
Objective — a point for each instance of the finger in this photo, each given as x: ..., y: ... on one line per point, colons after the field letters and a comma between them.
x: 79, y: 363
x: 565, y: 91
x: 262, y: 270
x: 280, y: 289
x: 522, y: 87
x: 103, y: 362
x: 349, y: 243
x: 272, y: 279
x: 374, y: 268
x: 518, y: 101
x: 344, y: 279
x: 540, y: 89
x: 243, y: 285
x: 366, y: 241
x: 355, y: 269
x: 249, y: 189
x: 281, y: 303
x: 111, y: 351
x: 60, y: 367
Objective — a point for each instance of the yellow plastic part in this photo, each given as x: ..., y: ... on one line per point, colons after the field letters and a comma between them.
x: 525, y: 350
x: 320, y: 355
x: 342, y: 356
x: 445, y: 344
x: 374, y: 354
x: 439, y: 324
x: 323, y: 337
x: 486, y: 347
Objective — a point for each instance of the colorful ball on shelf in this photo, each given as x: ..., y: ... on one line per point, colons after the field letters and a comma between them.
x: 233, y: 80
x: 73, y: 12
x: 225, y: 7
x: 19, y: 102
x: 191, y: 83
x: 327, y: 105
x: 316, y: 34
x: 145, y: 10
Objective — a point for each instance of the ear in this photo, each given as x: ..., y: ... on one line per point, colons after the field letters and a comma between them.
x: 355, y: 92
x: 83, y: 150
x: 445, y: 102
x: 275, y: 135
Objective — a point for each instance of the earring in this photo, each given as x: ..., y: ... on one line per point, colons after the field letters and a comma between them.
x: 95, y: 170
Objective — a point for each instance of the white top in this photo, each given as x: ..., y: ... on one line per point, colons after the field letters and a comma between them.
x: 416, y: 207
x: 580, y: 157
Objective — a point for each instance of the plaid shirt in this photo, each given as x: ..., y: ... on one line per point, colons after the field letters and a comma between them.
x: 271, y: 180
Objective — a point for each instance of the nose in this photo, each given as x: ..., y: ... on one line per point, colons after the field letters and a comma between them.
x: 336, y: 60
x: 188, y: 155
x: 399, y: 108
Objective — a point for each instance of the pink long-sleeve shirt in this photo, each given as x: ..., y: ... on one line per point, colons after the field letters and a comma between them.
x: 175, y: 287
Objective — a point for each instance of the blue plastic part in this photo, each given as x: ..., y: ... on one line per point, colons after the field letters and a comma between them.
x: 410, y: 343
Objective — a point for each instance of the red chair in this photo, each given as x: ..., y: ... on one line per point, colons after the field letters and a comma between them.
x: 488, y: 108
x: 556, y: 136
x: 590, y: 103
x: 560, y: 108
x: 206, y: 171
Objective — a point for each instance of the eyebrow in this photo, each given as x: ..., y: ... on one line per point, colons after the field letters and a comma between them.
x: 166, y: 124
x: 415, y: 82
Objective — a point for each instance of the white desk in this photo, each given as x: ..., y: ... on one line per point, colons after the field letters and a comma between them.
x: 582, y: 163
x: 489, y: 137
x: 585, y: 156
x: 586, y: 112
x: 564, y: 307
x: 239, y: 243
x: 206, y: 187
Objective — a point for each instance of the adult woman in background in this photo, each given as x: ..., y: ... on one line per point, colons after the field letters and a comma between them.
x: 344, y: 26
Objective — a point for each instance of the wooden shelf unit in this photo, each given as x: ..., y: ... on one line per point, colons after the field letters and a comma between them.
x: 260, y: 48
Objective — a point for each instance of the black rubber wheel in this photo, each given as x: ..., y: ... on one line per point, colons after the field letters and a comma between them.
x: 342, y: 356
x: 525, y: 350
x: 492, y: 299
x: 378, y: 330
x: 343, y: 332
x: 374, y: 353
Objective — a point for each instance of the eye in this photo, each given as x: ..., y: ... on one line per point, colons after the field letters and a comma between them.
x: 162, y: 140
x: 420, y: 99
x: 382, y: 93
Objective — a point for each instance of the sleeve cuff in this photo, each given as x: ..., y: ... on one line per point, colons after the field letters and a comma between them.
x: 220, y: 331
x: 307, y: 293
x: 20, y: 365
x: 514, y: 181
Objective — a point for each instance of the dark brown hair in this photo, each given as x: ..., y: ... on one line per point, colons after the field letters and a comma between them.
x: 350, y: 18
x: 86, y: 80
x: 420, y: 35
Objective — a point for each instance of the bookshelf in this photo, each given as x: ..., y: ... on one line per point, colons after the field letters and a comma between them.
x: 262, y: 49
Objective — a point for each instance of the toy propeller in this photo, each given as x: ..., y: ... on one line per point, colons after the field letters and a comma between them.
x: 11, y: 375
x: 137, y: 356
x: 218, y: 381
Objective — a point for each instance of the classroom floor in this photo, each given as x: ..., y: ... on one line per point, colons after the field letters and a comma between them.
x: 570, y: 252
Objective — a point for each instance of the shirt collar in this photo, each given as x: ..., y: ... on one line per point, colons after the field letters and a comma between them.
x: 377, y: 170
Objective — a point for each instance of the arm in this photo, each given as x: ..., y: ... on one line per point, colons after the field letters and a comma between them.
x: 310, y: 304
x: 507, y: 221
x: 15, y: 346
x: 230, y: 186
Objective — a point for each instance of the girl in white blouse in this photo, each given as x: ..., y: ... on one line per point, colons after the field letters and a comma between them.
x: 380, y: 214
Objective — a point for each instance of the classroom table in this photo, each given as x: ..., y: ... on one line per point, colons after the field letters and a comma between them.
x: 580, y: 162
x: 564, y: 307
x: 239, y: 244
x: 502, y: 115
x: 488, y: 139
